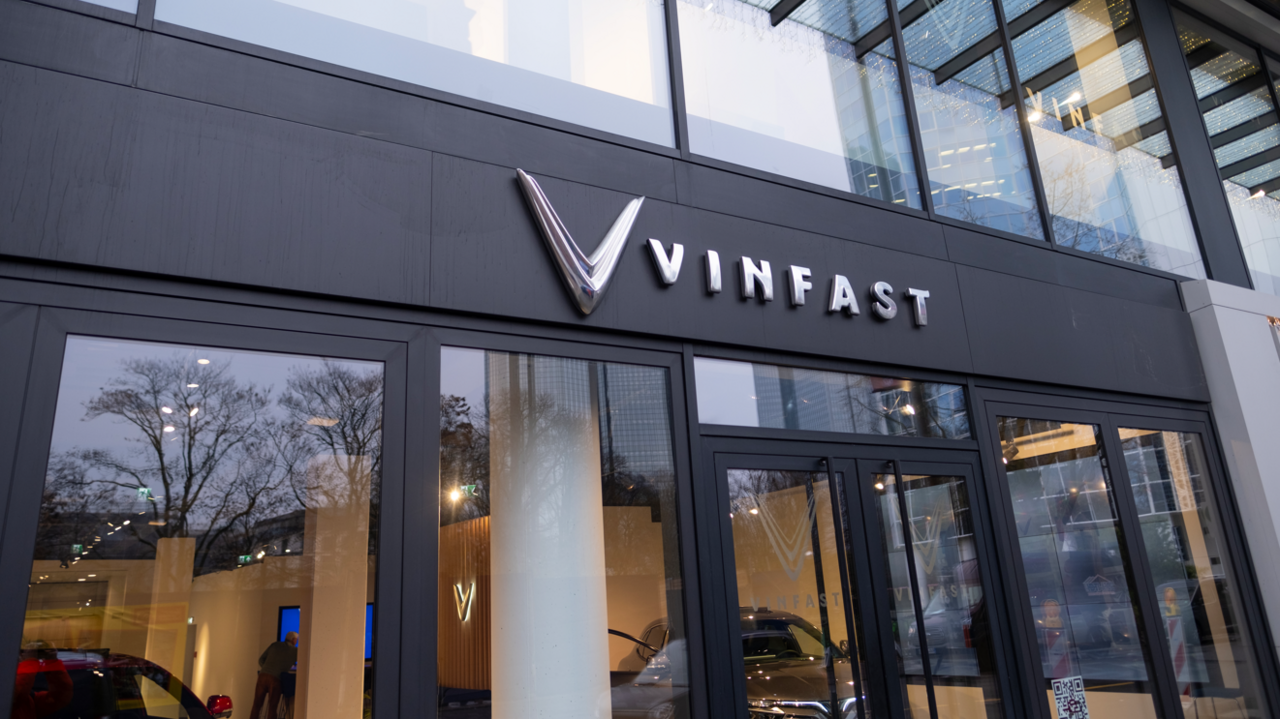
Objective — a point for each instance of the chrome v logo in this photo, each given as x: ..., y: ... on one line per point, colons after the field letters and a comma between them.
x: 586, y: 277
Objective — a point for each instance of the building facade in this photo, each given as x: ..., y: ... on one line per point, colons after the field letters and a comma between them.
x: 640, y: 358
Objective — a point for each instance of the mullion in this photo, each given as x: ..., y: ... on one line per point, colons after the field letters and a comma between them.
x: 909, y: 550
x: 1161, y: 662
x: 923, y: 182
x: 1024, y: 125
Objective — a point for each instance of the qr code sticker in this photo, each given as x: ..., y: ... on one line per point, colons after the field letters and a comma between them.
x: 1068, y: 694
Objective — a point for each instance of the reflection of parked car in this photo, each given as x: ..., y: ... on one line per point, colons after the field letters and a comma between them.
x: 785, y: 658
x: 104, y: 684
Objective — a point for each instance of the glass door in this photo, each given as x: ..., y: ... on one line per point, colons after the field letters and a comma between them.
x: 856, y: 585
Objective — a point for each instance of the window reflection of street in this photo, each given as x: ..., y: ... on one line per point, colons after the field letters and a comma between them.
x: 957, y: 644
x: 191, y: 494
x: 1079, y: 582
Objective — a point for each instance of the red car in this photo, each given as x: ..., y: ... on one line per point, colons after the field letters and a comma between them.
x: 84, y: 684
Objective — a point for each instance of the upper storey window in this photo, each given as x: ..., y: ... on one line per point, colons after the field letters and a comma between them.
x: 1235, y: 95
x: 598, y: 63
x: 817, y: 98
x: 1110, y: 181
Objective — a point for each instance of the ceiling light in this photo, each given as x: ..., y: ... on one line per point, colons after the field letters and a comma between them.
x: 1257, y: 195
x: 166, y: 410
x: 202, y: 361
x: 1034, y: 116
x: 753, y: 510
x: 192, y: 386
x: 455, y: 495
x: 93, y: 575
x: 81, y: 579
x: 169, y: 428
x: 262, y: 554
x: 880, y: 486
x: 1074, y: 97
x: 322, y: 421
x: 126, y: 521
x: 193, y: 411
x: 908, y: 409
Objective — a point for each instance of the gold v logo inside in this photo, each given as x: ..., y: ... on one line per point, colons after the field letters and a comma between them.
x: 464, y: 600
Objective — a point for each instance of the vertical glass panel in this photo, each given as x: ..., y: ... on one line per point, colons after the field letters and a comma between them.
x: 1193, y: 574
x: 1108, y: 172
x: 747, y: 394
x: 598, y: 63
x: 559, y: 565
x: 207, y: 536
x: 1235, y: 93
x: 816, y: 98
x: 1079, y: 583
x: 973, y: 147
x: 795, y: 609
x: 957, y: 620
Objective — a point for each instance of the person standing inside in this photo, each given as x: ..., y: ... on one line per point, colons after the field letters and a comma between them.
x: 277, y: 659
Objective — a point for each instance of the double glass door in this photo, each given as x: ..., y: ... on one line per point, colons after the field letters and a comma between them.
x: 856, y: 584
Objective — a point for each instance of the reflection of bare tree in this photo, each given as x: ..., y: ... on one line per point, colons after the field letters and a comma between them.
x: 200, y: 460
x: 334, y: 412
x: 1074, y: 206
x: 208, y: 457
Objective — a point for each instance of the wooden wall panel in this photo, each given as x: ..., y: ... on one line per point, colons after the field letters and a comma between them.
x: 464, y: 639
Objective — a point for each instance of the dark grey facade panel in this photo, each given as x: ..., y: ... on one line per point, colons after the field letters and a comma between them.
x: 99, y: 174
x: 1029, y: 260
x: 1025, y: 329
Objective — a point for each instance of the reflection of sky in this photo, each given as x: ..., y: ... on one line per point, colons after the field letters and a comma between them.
x: 462, y: 375
x: 90, y: 363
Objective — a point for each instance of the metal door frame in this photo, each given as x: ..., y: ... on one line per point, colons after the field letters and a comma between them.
x: 855, y: 461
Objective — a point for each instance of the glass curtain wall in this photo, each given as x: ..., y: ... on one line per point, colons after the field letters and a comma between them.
x: 1237, y: 99
x: 973, y: 147
x: 1109, y: 178
x: 1193, y: 574
x: 207, y: 538
x: 598, y: 63
x: 559, y: 588
x: 817, y: 97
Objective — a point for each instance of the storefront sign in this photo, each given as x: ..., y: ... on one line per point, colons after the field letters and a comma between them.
x: 586, y: 278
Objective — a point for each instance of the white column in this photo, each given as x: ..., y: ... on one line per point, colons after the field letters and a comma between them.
x: 549, y: 648
x: 170, y: 601
x: 331, y: 645
x: 1241, y: 360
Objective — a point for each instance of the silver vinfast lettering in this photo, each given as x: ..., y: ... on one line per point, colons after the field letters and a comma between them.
x: 585, y: 277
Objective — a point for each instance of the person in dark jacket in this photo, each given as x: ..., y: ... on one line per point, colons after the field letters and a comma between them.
x: 277, y: 659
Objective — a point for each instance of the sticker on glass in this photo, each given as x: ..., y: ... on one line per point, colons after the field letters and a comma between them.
x: 1068, y: 694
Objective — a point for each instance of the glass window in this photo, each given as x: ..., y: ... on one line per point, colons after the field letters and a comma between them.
x: 1239, y: 110
x: 1193, y: 575
x: 192, y: 494
x: 1105, y: 161
x: 558, y: 540
x: 816, y: 98
x: 956, y: 640
x: 129, y: 6
x: 599, y: 63
x: 973, y: 149
x: 746, y: 394
x: 793, y: 603
x: 1079, y: 582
